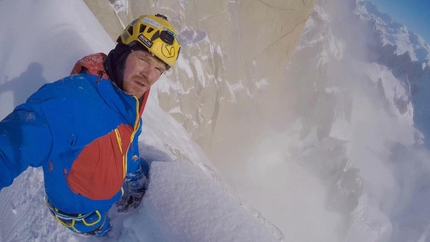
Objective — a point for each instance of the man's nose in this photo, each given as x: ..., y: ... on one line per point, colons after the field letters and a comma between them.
x: 145, y: 71
x: 148, y: 72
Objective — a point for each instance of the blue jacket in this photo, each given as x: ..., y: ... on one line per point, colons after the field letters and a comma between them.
x: 82, y: 130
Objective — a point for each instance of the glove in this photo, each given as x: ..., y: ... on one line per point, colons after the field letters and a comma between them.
x: 135, y: 187
x: 130, y: 200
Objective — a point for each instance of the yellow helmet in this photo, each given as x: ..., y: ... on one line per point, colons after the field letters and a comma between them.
x: 156, y: 34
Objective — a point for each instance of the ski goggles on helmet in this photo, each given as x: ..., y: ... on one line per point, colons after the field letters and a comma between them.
x: 167, y: 36
x: 156, y: 34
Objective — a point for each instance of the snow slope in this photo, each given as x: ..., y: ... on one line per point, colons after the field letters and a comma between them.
x: 186, y: 199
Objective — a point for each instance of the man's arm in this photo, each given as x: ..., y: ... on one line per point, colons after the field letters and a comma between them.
x: 25, y: 140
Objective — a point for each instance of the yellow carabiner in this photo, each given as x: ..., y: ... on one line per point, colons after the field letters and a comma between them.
x: 95, y: 222
x: 64, y: 223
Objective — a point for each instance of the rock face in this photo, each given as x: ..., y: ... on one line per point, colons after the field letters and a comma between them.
x: 232, y: 62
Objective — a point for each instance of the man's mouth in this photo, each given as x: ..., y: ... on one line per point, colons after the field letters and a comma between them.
x: 141, y: 83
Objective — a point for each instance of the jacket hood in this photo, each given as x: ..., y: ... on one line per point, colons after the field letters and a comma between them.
x: 114, y: 64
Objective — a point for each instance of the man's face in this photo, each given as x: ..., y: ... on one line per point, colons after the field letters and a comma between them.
x: 141, y: 71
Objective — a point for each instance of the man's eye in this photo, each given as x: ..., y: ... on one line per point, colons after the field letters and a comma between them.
x: 159, y: 70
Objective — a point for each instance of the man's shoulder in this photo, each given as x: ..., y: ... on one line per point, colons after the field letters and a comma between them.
x: 67, y: 86
x: 92, y: 64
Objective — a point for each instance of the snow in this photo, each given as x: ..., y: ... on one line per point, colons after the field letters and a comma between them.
x: 186, y: 199
x: 167, y: 200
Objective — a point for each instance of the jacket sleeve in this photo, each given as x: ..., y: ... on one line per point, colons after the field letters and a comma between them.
x: 25, y: 140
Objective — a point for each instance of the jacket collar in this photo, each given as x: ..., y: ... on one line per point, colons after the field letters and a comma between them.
x: 93, y: 64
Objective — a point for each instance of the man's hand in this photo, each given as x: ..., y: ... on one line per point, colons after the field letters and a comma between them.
x: 130, y: 200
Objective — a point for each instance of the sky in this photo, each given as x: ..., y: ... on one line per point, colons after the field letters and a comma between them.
x: 412, y: 13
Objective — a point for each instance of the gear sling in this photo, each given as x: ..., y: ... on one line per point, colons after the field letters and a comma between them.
x: 91, y: 222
